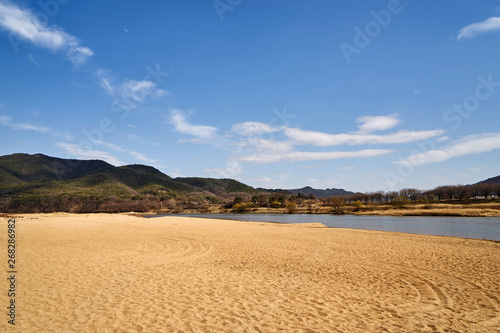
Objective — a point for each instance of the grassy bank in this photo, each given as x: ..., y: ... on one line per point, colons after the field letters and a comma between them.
x: 466, y: 209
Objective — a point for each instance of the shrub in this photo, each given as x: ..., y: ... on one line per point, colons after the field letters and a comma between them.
x: 275, y: 204
x: 292, y: 207
x: 240, y: 208
x: 357, y: 205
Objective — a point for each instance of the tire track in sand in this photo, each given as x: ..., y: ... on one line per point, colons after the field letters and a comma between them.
x: 432, y: 288
x: 155, y: 250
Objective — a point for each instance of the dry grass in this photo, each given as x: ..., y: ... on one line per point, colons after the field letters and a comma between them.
x: 434, y: 212
x: 436, y: 209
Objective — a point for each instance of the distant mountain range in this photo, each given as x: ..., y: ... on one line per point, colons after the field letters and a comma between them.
x: 493, y: 180
x: 329, y: 192
x: 41, y: 174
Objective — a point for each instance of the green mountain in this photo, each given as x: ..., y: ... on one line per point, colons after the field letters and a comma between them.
x: 318, y: 193
x: 22, y: 168
x: 218, y: 186
x: 22, y: 174
x: 493, y: 180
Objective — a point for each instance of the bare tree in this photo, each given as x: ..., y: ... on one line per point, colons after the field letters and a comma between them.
x: 410, y: 193
x: 389, y: 196
x: 475, y: 190
x: 449, y: 191
x: 414, y: 194
x: 485, y: 189
x: 379, y: 195
x: 429, y: 195
x: 496, y: 190
x: 439, y: 192
x: 462, y: 191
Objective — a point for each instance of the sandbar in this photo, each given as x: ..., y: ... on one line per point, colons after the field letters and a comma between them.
x: 123, y: 273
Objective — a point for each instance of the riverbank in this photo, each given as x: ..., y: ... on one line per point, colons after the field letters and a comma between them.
x: 465, y: 209
x: 106, y: 272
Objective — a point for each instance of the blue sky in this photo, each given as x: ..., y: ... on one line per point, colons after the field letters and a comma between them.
x: 361, y: 95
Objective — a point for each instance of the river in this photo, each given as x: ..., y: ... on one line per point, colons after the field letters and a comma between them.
x: 465, y: 227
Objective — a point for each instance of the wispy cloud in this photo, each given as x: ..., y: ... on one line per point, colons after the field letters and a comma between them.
x: 265, y: 146
x: 252, y: 128
x: 75, y: 151
x: 181, y: 125
x: 491, y: 24
x: 233, y: 168
x: 141, y: 157
x: 321, y: 139
x: 368, y: 124
x: 469, y: 145
x: 131, y: 91
x: 99, y: 143
x: 261, y: 143
x: 294, y: 156
x: 109, y: 145
x: 26, y: 26
x: 265, y: 180
x: 138, y: 91
x: 16, y: 126
x: 7, y: 121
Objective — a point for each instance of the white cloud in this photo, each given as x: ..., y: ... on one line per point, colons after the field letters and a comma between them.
x: 142, y: 157
x: 324, y: 139
x: 105, y: 80
x: 473, y: 144
x: 443, y: 138
x: 369, y: 124
x: 491, y: 24
x: 75, y: 151
x: 181, y: 125
x: 265, y: 180
x: 251, y: 128
x: 109, y: 145
x: 26, y: 26
x: 138, y: 91
x: 233, y: 168
x: 346, y: 168
x: 131, y: 91
x: 294, y: 156
x: 266, y: 146
x: 7, y: 121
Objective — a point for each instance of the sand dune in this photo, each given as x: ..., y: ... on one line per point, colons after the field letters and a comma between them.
x: 119, y: 273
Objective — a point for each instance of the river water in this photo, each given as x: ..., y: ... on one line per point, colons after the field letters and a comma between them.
x: 465, y: 227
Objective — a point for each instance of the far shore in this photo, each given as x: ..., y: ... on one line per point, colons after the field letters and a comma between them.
x: 438, y: 209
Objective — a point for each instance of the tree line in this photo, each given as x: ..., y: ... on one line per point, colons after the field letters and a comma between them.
x: 283, y: 201
x: 440, y: 193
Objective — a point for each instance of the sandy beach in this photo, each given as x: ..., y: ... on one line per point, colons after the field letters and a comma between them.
x: 121, y: 273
